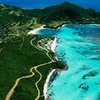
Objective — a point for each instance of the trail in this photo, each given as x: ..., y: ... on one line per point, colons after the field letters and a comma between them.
x: 10, y: 93
x: 0, y: 50
x: 36, y: 84
x: 46, y: 52
x: 22, y: 43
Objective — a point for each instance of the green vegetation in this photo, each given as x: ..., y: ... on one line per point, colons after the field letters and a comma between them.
x: 17, y: 21
x: 26, y: 89
x: 68, y: 12
x: 16, y: 59
x: 16, y: 62
x: 17, y: 55
x: 55, y: 24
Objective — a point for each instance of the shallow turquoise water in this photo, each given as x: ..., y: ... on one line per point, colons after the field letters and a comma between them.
x: 79, y: 47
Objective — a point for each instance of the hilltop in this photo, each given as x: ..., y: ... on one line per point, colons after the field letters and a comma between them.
x: 14, y: 20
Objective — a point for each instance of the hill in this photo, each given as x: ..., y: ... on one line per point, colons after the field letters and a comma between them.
x: 18, y: 53
x: 14, y: 20
x: 67, y: 12
x: 17, y: 57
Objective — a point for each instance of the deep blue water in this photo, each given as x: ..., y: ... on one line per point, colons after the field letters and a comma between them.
x: 79, y: 47
x: 29, y: 4
x: 47, y: 32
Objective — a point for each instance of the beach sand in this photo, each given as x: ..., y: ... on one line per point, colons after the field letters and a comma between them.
x: 35, y: 30
x: 54, y: 44
x: 46, y: 84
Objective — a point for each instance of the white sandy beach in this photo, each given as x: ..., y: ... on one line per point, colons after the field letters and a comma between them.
x: 35, y: 30
x: 46, y: 84
x: 54, y: 44
x: 95, y: 24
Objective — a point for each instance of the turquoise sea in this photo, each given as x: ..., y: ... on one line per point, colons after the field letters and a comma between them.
x: 79, y: 47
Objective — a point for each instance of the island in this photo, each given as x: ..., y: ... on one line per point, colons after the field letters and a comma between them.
x: 27, y: 61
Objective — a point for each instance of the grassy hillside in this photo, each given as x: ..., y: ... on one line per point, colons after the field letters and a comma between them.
x: 14, y: 20
x: 67, y: 12
x: 16, y: 62
x: 16, y: 59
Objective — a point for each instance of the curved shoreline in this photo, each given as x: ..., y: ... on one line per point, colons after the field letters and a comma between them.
x: 53, y: 46
x: 70, y: 24
x: 46, y: 84
x: 34, y: 31
x: 45, y: 90
x: 53, y: 71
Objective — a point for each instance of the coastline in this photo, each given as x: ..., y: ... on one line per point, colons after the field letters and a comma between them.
x: 45, y: 90
x: 46, y: 84
x: 53, y: 45
x: 34, y: 31
x: 95, y: 24
x: 70, y: 24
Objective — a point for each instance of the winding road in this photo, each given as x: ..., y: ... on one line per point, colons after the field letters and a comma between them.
x: 11, y: 91
x: 0, y: 50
